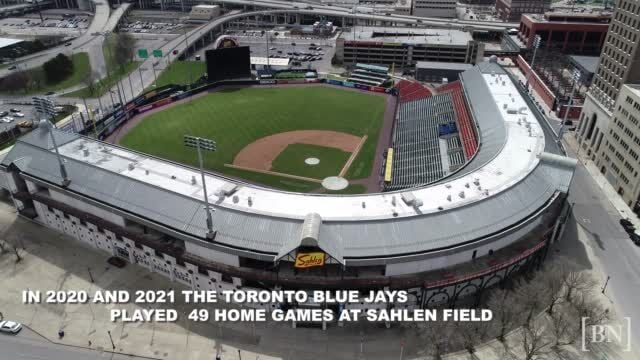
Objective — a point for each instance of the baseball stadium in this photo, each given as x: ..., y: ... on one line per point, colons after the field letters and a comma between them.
x: 317, y: 184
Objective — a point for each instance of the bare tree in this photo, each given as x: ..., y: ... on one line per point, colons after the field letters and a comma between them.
x: 563, y: 326
x: 437, y: 336
x: 471, y: 333
x: 589, y: 312
x: 530, y: 295
x: 506, y: 310
x: 553, y: 279
x: 578, y: 282
x: 534, y: 342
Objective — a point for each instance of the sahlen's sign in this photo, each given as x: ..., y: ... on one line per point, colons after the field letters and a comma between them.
x: 305, y: 260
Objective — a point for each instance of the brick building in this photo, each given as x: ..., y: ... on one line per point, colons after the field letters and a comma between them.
x: 573, y: 33
x: 512, y: 9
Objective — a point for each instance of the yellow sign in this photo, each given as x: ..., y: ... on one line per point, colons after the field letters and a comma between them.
x: 305, y: 260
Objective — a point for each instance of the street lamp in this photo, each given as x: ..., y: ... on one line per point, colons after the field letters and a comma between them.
x: 209, y: 145
x: 576, y: 78
x: 536, y: 44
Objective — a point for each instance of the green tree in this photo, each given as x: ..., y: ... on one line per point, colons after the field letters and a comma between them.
x: 58, y: 68
x: 124, y: 49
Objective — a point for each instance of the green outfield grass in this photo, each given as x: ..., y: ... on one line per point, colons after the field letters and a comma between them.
x: 236, y: 118
x: 291, y: 161
x: 182, y: 73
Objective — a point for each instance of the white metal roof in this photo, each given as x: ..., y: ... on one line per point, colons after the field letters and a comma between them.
x: 517, y: 158
x: 4, y: 42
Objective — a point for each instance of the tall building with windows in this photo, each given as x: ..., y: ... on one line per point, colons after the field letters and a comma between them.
x: 619, y: 64
x: 619, y: 158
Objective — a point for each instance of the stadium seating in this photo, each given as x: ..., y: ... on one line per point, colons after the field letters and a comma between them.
x: 416, y: 142
x: 410, y: 91
x: 465, y: 124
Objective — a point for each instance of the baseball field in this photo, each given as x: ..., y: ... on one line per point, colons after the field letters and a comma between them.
x: 288, y: 138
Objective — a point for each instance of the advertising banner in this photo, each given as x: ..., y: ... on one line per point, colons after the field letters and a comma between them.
x: 306, y: 260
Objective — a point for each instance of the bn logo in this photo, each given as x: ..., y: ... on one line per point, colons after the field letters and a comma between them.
x: 620, y: 334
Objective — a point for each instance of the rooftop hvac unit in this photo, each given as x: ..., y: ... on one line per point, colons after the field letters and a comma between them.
x: 411, y: 200
x: 227, y: 189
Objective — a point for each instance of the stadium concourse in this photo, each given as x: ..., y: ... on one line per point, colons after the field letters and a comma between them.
x: 442, y: 240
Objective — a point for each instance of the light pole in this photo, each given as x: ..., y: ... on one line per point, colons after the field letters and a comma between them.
x: 46, y: 124
x: 576, y: 77
x: 113, y: 346
x: 209, y: 145
x: 536, y: 44
x: 605, y: 284
x: 186, y: 55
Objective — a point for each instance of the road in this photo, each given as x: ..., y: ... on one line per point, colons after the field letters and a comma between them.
x: 617, y: 255
x: 28, y: 345
x: 90, y: 41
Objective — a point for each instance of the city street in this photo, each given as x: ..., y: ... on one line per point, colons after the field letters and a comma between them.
x: 619, y: 258
x: 27, y: 345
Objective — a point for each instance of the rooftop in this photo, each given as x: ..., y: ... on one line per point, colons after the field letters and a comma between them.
x: 408, y: 35
x: 4, y: 42
x: 442, y: 65
x: 586, y: 63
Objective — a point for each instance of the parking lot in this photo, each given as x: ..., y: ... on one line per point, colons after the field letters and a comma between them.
x: 303, y: 52
x: 50, y: 25
x: 16, y: 113
x: 145, y: 27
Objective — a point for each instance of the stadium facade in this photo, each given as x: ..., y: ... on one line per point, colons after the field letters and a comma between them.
x: 493, y: 217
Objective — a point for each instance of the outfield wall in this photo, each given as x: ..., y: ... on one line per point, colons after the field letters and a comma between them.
x: 168, y: 94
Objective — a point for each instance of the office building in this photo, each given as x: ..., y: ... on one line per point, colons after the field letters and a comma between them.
x: 618, y: 159
x: 619, y: 64
x: 511, y: 10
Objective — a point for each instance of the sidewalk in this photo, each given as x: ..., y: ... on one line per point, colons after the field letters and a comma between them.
x: 609, y: 192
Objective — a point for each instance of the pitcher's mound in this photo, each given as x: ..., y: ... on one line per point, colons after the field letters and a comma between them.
x: 335, y: 183
x: 312, y: 161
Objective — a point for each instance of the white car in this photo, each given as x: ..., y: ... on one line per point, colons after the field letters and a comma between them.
x: 10, y: 327
x: 7, y: 119
x: 19, y: 115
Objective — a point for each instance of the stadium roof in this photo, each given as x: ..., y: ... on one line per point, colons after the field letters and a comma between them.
x: 517, y: 178
x: 4, y: 42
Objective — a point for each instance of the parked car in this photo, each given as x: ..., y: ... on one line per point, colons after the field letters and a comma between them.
x: 14, y: 110
x: 18, y: 115
x: 10, y: 327
x: 4, y: 113
x: 627, y: 225
x: 67, y: 44
x: 12, y: 67
x: 50, y: 93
